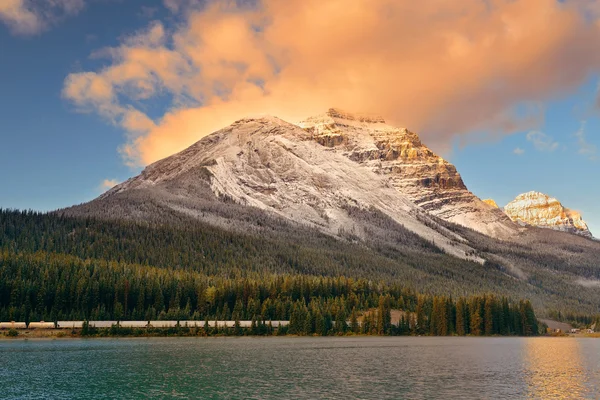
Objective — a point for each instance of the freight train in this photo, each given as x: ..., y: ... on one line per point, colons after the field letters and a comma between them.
x: 130, y: 324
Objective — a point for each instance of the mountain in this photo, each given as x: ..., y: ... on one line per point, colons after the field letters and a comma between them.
x: 271, y: 166
x: 315, y: 172
x: 409, y: 166
x: 539, y: 209
x: 342, y: 195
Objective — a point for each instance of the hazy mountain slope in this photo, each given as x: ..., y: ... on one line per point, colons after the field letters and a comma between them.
x: 563, y: 265
x: 409, y: 166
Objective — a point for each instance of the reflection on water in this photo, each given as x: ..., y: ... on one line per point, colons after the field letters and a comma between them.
x: 301, y: 368
x: 555, y: 369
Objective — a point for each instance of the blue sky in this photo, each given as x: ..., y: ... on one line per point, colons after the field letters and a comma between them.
x: 58, y: 157
x: 493, y: 170
x: 57, y: 149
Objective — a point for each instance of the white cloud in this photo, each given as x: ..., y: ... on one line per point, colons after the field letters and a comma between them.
x: 519, y: 151
x: 28, y: 17
x: 541, y: 141
x: 585, y: 148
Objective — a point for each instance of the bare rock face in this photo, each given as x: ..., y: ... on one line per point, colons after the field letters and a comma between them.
x: 409, y: 166
x: 541, y: 210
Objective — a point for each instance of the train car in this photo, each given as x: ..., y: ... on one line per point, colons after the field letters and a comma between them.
x: 191, y: 324
x: 243, y: 324
x: 13, y: 325
x: 162, y: 324
x: 133, y: 324
x: 41, y: 325
x: 69, y: 324
x: 102, y: 324
x: 231, y: 324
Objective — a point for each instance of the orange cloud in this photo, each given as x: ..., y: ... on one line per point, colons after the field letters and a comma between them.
x: 441, y: 68
x: 27, y: 17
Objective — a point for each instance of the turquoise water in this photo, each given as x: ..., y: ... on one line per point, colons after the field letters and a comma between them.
x: 301, y: 368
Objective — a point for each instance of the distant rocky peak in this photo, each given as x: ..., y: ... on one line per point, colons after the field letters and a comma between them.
x: 539, y: 209
x: 491, y: 202
x: 537, y: 197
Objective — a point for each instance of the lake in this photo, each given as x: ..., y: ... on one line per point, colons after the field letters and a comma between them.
x: 301, y: 368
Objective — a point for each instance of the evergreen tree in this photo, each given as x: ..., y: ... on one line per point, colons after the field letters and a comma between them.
x: 320, y: 328
x: 354, y: 327
x: 460, y: 317
x: 488, y: 317
x: 475, y: 318
x: 308, y: 324
x: 421, y: 321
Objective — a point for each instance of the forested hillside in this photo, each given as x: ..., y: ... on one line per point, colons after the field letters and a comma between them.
x: 54, y: 267
x: 62, y: 268
x: 262, y: 196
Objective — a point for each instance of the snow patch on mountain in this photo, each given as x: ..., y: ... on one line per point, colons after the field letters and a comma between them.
x: 278, y: 167
x: 399, y: 156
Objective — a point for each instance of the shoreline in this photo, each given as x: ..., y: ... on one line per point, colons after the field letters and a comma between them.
x: 62, y: 334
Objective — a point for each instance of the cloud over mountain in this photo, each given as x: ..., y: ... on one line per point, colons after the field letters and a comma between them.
x: 441, y: 68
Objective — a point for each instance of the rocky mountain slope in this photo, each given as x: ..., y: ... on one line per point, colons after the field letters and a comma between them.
x: 270, y: 165
x: 409, y: 166
x: 541, y: 210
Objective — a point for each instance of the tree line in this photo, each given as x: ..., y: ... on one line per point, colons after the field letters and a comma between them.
x: 51, y: 287
x: 62, y: 268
